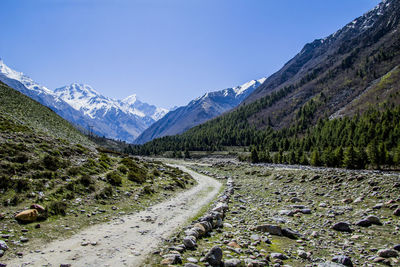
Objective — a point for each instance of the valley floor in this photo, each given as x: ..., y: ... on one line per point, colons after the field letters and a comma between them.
x: 126, y: 240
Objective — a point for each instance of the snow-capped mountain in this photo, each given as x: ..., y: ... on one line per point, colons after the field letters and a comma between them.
x: 199, y: 110
x: 83, y: 106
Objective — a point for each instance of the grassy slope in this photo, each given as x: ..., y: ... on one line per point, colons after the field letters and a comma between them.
x: 78, y: 185
x: 22, y: 109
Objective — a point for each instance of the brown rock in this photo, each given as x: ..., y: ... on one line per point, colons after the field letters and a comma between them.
x: 233, y: 244
x: 27, y: 215
x: 38, y: 207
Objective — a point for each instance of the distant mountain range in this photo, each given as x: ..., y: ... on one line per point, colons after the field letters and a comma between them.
x: 83, y: 106
x: 198, y: 111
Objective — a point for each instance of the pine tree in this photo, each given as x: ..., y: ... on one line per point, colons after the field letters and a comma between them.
x: 349, y: 158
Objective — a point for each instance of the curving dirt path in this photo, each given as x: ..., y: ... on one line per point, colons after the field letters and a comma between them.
x: 127, y: 240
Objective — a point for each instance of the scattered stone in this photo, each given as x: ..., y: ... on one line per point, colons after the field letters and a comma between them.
x: 387, y: 253
x: 342, y: 227
x: 191, y: 265
x: 279, y: 256
x: 397, y: 247
x: 302, y: 254
x: 189, y: 242
x: 37, y: 226
x: 192, y: 260
x: 330, y: 264
x: 233, y: 244
x: 214, y: 256
x: 232, y: 263
x: 346, y: 261
x: 227, y: 225
x: 24, y: 239
x: 3, y: 245
x: 65, y: 265
x: 171, y: 259
x: 1, y: 253
x: 397, y: 212
x: 84, y: 244
x: 290, y: 233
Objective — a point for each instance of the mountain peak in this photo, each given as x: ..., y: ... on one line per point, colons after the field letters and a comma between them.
x: 130, y: 100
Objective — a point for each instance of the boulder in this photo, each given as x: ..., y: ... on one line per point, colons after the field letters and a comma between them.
x: 233, y: 263
x: 30, y: 215
x: 3, y: 245
x: 397, y: 212
x: 342, y: 227
x: 363, y: 223
x: 38, y: 207
x: 290, y: 233
x: 189, y: 242
x: 269, y: 228
x: 346, y: 261
x: 374, y: 220
x: 387, y: 253
x: 214, y: 256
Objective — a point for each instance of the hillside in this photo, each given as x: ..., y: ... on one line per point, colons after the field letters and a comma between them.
x: 17, y: 107
x: 69, y: 183
x: 198, y: 111
x: 352, y: 71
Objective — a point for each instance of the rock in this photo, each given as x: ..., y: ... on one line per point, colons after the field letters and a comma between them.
x: 397, y: 247
x: 305, y: 211
x: 84, y: 244
x: 3, y: 265
x: 397, y: 212
x: 346, y: 261
x: 342, y: 227
x: 24, y: 239
x: 192, y: 260
x: 38, y: 207
x: 65, y: 265
x: 269, y: 228
x: 1, y: 253
x: 214, y: 256
x: 330, y: 264
x: 233, y: 244
x: 387, y: 253
x: 27, y: 215
x: 200, y: 229
x: 279, y: 256
x: 347, y: 200
x: 3, y: 245
x: 302, y: 254
x: 37, y: 226
x: 295, y: 200
x: 286, y: 212
x: 189, y: 242
x: 227, y: 225
x: 171, y: 259
x: 290, y: 233
x: 374, y: 220
x: 363, y: 223
x: 233, y: 263
x: 191, y: 265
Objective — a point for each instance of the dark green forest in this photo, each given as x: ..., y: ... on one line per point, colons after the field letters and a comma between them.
x: 371, y: 139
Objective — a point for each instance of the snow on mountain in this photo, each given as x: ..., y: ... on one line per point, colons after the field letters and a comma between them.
x: 83, y: 106
x: 198, y: 111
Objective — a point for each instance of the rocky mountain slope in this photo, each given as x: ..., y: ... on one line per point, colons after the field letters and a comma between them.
x: 198, y: 111
x: 84, y: 107
x: 341, y: 66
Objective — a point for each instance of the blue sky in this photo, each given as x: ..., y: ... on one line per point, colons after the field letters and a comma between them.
x: 165, y: 51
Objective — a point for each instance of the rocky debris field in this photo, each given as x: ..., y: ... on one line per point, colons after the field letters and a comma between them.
x: 281, y: 216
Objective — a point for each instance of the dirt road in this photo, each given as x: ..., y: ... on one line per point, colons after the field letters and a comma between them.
x: 127, y: 240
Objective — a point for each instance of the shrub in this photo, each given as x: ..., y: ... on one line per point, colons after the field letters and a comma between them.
x: 22, y: 185
x: 148, y: 190
x: 114, y: 178
x: 123, y: 169
x: 57, y: 208
x: 136, y: 177
x: 73, y: 171
x: 105, y: 193
x: 86, y: 180
x: 51, y: 163
x: 6, y: 182
x: 21, y: 158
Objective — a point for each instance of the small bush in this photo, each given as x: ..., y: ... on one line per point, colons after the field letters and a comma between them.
x: 86, y: 180
x: 22, y: 185
x: 51, y: 163
x: 123, y: 169
x: 136, y: 177
x: 105, y: 193
x: 73, y: 171
x: 148, y: 190
x: 57, y: 208
x: 21, y: 158
x: 6, y: 183
x: 114, y: 178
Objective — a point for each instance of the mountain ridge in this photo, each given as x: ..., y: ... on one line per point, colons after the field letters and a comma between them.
x: 118, y: 119
x: 199, y: 110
